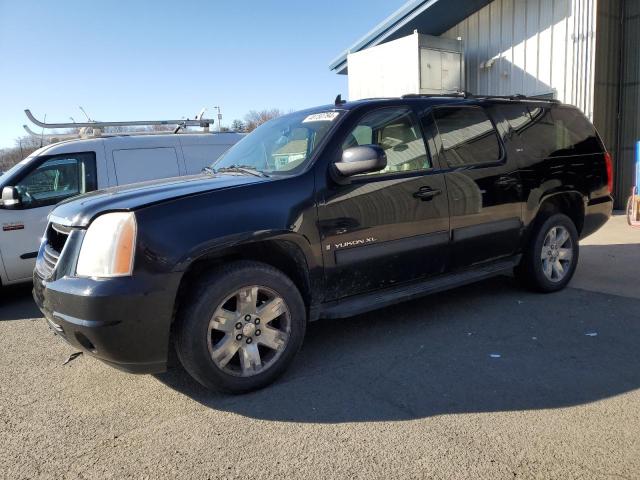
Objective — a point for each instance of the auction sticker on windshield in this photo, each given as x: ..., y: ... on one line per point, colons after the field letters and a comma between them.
x: 322, y: 117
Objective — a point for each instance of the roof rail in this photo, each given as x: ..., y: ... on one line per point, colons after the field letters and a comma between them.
x: 517, y: 96
x: 437, y: 95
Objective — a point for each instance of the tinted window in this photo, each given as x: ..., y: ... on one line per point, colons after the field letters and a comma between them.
x: 57, y: 178
x: 468, y: 136
x: 552, y: 132
x: 396, y: 132
x: 575, y: 134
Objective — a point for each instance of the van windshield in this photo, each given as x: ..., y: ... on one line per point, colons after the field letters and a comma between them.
x: 282, y: 146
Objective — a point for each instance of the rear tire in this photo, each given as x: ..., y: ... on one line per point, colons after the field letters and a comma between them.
x: 549, y: 262
x: 241, y: 327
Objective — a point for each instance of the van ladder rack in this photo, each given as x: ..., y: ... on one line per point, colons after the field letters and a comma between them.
x: 203, y: 122
x: 51, y: 136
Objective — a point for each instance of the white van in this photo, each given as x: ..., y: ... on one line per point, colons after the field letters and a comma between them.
x: 53, y: 173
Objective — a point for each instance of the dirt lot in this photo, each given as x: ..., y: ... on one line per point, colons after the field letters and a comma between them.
x: 488, y: 381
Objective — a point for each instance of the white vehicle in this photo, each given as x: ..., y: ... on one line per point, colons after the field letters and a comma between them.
x: 56, y: 172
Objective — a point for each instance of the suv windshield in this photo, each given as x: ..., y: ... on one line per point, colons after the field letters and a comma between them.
x: 282, y: 146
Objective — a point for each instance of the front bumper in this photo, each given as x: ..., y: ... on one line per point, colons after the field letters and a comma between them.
x: 124, y: 322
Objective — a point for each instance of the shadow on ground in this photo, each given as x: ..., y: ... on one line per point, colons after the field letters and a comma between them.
x: 16, y: 303
x: 438, y: 355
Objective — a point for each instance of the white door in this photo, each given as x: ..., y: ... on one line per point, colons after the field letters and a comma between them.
x: 54, y: 179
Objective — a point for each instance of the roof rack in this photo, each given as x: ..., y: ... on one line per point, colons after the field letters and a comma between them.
x: 93, y: 128
x: 517, y: 96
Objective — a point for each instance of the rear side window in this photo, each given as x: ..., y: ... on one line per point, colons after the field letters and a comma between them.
x: 141, y: 164
x: 552, y: 132
x: 468, y: 136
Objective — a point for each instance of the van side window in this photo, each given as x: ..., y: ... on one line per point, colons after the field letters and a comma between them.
x: 57, y: 178
x: 468, y: 136
x: 552, y: 132
x: 140, y: 164
x: 395, y: 131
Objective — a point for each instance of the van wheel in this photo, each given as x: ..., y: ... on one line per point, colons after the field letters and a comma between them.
x: 550, y: 260
x: 241, y: 327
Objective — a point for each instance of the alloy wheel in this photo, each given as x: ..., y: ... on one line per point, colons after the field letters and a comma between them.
x: 249, y: 331
x: 557, y: 253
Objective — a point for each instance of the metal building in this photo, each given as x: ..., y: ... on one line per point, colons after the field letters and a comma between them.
x: 582, y: 52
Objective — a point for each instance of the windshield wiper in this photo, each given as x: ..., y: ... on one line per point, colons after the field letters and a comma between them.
x: 241, y: 169
x: 208, y: 171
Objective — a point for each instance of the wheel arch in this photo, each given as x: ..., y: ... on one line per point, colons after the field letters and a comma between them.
x: 572, y: 203
x: 289, y: 253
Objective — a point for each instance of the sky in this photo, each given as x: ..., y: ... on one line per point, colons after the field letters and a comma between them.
x: 141, y: 60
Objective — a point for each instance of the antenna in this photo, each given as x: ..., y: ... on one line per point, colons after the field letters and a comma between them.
x: 42, y: 133
x: 339, y: 101
x: 85, y: 114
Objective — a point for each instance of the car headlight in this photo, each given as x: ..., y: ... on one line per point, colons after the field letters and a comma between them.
x: 108, y: 246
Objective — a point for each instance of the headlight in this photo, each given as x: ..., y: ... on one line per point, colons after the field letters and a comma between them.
x: 108, y: 246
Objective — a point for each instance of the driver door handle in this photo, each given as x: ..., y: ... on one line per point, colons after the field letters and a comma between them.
x: 427, y: 193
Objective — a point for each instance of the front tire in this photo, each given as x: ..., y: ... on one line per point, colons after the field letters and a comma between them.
x: 241, y: 327
x: 550, y: 260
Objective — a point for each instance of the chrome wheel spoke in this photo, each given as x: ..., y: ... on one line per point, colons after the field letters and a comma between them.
x: 561, y: 237
x: 224, y: 350
x: 558, y: 269
x: 223, y: 320
x: 273, y: 338
x: 565, y: 254
x: 546, y: 267
x: 250, y: 360
x: 272, y: 310
x: 552, y: 235
x: 247, y: 300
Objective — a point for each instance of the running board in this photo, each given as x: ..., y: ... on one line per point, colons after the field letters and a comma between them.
x: 356, y: 305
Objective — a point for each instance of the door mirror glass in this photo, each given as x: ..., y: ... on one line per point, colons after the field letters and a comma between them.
x: 10, y: 198
x: 361, y: 159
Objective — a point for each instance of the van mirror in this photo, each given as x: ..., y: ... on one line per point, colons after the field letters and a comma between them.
x: 10, y: 198
x: 362, y: 159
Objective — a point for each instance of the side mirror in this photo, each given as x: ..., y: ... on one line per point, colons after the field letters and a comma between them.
x: 362, y: 159
x: 10, y: 198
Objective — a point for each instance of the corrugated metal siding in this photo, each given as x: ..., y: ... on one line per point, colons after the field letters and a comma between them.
x: 608, y: 67
x: 534, y: 47
x: 630, y: 99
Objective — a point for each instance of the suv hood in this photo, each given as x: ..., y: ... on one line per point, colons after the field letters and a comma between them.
x: 79, y: 211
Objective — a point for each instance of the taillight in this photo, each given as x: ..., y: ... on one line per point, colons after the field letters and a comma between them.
x: 608, y: 161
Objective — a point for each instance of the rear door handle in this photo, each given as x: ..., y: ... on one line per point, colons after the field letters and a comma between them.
x: 427, y: 193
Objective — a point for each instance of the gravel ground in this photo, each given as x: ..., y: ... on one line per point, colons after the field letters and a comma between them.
x: 487, y: 381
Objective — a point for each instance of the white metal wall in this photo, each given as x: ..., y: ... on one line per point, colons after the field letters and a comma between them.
x: 533, y: 47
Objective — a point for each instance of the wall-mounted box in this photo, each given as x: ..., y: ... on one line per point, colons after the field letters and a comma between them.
x: 415, y: 64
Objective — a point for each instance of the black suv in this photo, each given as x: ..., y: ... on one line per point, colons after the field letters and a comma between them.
x: 328, y: 212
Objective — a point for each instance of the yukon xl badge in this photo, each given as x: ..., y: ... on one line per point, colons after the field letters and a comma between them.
x: 353, y: 243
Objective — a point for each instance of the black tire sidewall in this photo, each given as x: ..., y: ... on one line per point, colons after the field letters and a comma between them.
x: 192, y: 331
x: 534, y: 265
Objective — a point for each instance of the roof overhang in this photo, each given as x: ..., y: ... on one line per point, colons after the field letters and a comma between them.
x: 432, y: 17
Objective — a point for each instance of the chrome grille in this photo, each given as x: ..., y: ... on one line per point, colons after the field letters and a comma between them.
x: 54, y: 241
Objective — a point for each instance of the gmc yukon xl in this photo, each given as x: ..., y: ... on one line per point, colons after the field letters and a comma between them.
x: 323, y: 213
